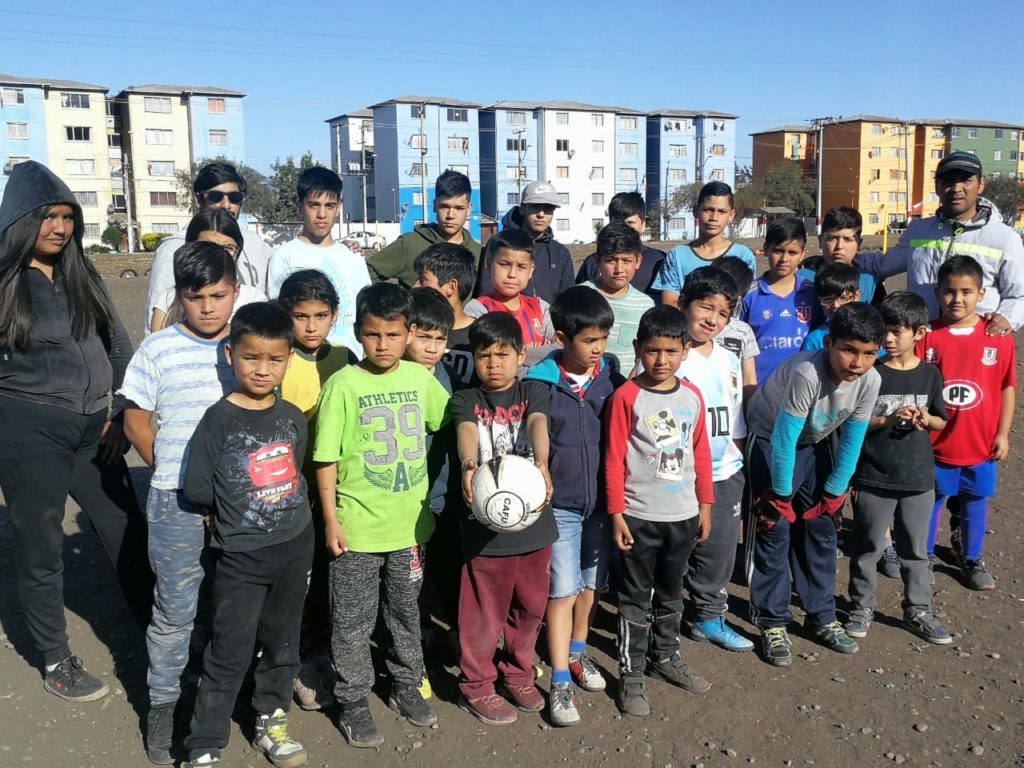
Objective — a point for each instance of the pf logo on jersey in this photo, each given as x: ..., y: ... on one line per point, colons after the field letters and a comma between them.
x: 961, y: 394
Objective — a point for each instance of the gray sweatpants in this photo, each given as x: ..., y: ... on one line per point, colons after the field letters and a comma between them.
x: 710, y: 566
x: 909, y: 514
x: 360, y: 583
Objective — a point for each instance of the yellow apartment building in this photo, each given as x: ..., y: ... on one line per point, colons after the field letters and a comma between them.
x: 930, y: 146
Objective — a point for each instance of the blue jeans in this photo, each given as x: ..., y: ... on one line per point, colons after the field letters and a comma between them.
x: 579, y: 559
x: 176, y: 541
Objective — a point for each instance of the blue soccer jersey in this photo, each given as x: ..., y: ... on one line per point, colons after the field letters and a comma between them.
x: 780, y: 323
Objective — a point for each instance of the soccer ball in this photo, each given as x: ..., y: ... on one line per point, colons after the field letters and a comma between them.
x: 508, y: 494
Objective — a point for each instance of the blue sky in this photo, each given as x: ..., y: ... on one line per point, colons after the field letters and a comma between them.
x: 768, y: 62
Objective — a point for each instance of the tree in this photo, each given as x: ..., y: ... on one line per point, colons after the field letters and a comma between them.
x: 112, y: 236
x: 749, y: 199
x: 281, y: 204
x: 1008, y: 195
x: 786, y: 186
x: 684, y: 198
x: 257, y: 196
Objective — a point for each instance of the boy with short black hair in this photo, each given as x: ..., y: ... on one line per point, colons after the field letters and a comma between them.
x: 737, y: 336
x: 451, y: 269
x: 175, y: 375
x: 618, y: 259
x: 375, y: 495
x: 580, y: 378
x: 505, y: 576
x: 319, y: 196
x: 798, y: 485
x: 840, y: 241
x: 980, y: 373
x: 657, y: 475
x: 895, y: 478
x: 835, y: 285
x: 244, y: 473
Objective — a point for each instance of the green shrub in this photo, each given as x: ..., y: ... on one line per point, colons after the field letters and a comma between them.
x: 151, y: 240
x: 112, y: 236
x: 97, y: 248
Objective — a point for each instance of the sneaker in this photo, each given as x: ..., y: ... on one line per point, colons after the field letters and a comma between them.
x: 859, y: 622
x: 272, y: 739
x: 490, y: 709
x: 717, y: 632
x: 356, y: 724
x: 632, y: 698
x: 955, y: 543
x: 562, y: 705
x: 975, y: 574
x: 889, y: 565
x: 776, y: 647
x: 527, y: 698
x: 834, y: 637
x: 70, y: 681
x: 160, y: 733
x: 309, y: 690
x: 202, y: 758
x: 927, y: 627
x: 674, y: 670
x: 585, y: 672
x: 931, y: 570
x: 408, y: 702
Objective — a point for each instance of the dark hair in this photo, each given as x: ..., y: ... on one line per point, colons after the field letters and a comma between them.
x: 307, y: 285
x: 513, y: 240
x: 452, y: 184
x: 384, y: 300
x: 714, y: 189
x: 784, y: 230
x: 617, y: 237
x: 859, y: 322
x: 199, y: 264
x: 580, y: 307
x: 263, y: 319
x: 662, y: 320
x: 214, y: 220
x: 214, y: 174
x: 88, y: 303
x: 738, y: 270
x: 705, y: 282
x: 431, y: 310
x: 449, y: 261
x: 835, y: 280
x: 905, y: 309
x: 958, y: 266
x: 318, y: 181
x: 496, y: 328
x: 842, y: 217
x: 626, y: 204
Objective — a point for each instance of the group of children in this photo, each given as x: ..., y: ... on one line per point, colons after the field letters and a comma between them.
x: 349, y: 470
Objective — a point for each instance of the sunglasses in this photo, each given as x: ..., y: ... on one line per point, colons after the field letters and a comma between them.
x: 215, y: 196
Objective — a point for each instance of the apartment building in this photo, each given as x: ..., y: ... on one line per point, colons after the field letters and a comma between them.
x: 784, y: 144
x: 509, y: 154
x: 352, y: 157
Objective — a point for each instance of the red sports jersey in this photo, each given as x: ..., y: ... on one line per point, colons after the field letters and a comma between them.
x: 976, y: 369
x: 530, y: 316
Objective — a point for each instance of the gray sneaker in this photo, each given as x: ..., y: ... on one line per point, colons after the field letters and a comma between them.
x: 927, y: 627
x: 859, y: 622
x: 976, y: 575
x: 357, y: 726
x: 675, y: 671
x: 632, y: 698
x: 562, y: 705
x: 889, y: 564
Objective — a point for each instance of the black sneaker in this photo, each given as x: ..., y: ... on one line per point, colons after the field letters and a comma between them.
x: 632, y: 698
x: 927, y: 627
x: 975, y: 574
x: 776, y: 647
x: 834, y: 637
x: 160, y: 734
x: 889, y: 564
x: 70, y: 681
x: 208, y: 757
x: 408, y: 702
x: 674, y: 670
x: 357, y: 726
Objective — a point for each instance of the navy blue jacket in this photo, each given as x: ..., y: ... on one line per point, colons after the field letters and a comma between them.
x: 553, y: 268
x: 574, y: 427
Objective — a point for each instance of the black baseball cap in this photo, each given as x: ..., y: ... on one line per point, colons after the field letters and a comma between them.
x: 959, y: 161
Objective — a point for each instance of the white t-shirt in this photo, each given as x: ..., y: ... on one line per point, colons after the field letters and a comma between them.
x: 720, y: 381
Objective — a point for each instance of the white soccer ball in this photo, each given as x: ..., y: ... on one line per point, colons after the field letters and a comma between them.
x: 508, y: 494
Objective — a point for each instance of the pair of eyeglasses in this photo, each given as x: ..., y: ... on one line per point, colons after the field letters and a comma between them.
x: 215, y: 196
x: 828, y: 301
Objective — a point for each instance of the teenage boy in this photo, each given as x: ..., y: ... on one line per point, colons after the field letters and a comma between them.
x: 657, y: 475
x: 174, y: 376
x: 798, y: 485
x: 374, y: 493
x: 707, y: 302
x: 452, y: 206
x: 895, y: 478
x: 217, y: 185
x: 835, y: 286
x: 451, y: 269
x: 737, y: 336
x: 840, y: 241
x: 505, y: 578
x: 319, y: 196
x: 980, y: 374
x: 630, y: 209
x: 533, y: 216
x: 580, y: 378
x: 244, y: 473
x: 619, y: 256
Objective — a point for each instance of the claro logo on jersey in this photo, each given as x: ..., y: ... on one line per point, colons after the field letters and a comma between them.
x: 962, y: 394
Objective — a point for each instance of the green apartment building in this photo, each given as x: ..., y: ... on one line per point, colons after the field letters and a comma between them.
x: 997, y: 145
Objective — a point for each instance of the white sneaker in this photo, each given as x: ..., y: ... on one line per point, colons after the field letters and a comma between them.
x: 562, y: 705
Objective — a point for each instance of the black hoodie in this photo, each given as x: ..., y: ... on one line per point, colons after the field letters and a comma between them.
x: 57, y: 369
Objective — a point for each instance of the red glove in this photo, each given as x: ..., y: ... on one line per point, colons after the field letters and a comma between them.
x: 771, y: 508
x: 832, y: 506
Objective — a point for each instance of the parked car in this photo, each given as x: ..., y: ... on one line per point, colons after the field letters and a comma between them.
x: 366, y: 240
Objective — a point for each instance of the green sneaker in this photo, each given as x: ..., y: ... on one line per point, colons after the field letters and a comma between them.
x: 834, y: 637
x: 776, y: 647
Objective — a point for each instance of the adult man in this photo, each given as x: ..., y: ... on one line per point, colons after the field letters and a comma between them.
x: 968, y: 224
x: 217, y: 185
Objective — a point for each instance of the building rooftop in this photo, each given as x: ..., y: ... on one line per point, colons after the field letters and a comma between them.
x: 443, y: 101
x: 177, y: 90
x: 569, y: 106
x: 964, y: 121
x: 790, y: 128
x: 690, y: 113
x: 356, y: 113
x: 42, y: 82
x: 867, y: 119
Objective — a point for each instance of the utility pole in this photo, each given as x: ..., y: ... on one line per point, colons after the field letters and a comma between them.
x: 665, y: 213
x: 520, y: 156
x: 906, y: 180
x: 423, y: 161
x: 125, y: 180
x: 362, y: 167
x: 820, y: 123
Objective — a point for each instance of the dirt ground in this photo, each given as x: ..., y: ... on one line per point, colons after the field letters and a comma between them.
x: 898, y: 701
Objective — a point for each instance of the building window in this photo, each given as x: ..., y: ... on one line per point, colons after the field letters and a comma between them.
x: 597, y: 172
x: 17, y: 130
x: 677, y: 150
x: 515, y: 145
x: 873, y: 218
x: 515, y: 118
x: 458, y: 115
x: 677, y: 222
x: 74, y: 100
x: 677, y: 174
x: 876, y: 130
x: 91, y: 230
x: 416, y: 169
x: 936, y: 154
x: 561, y: 118
x: 629, y: 148
x: 627, y: 174
x: 13, y: 161
x: 1014, y: 135
x: 933, y: 197
x: 81, y: 167
x: 876, y: 174
x: 563, y: 198
x: 77, y: 133
x: 417, y: 111
x: 11, y: 96
x: 463, y: 169
x: 218, y: 138
x: 597, y: 145
x: 954, y: 132
x: 999, y: 133
x: 875, y: 152
x: 718, y: 125
x: 972, y: 133
x: 458, y: 143
x: 417, y: 197
x: 114, y: 140
x: 85, y: 198
x: 718, y: 150
x: 515, y: 171
x: 512, y: 198
x: 718, y: 174
x: 874, y: 197
x: 161, y: 168
x: 1014, y: 154
x: 119, y: 202
x: 597, y: 198
x: 997, y: 154
x: 627, y: 123
x: 216, y: 106
x: 937, y: 132
x: 157, y: 104
x: 561, y: 145
x: 596, y: 224
x: 562, y: 225
x: 418, y: 141
x: 597, y: 120
x: 163, y: 199
x: 165, y: 228
x: 159, y: 136
x: 562, y: 172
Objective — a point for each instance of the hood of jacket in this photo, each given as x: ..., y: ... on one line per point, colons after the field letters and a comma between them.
x: 987, y: 212
x: 513, y: 219
x: 32, y: 185
x: 547, y: 370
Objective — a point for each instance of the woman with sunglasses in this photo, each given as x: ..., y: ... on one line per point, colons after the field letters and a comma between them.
x: 63, y: 350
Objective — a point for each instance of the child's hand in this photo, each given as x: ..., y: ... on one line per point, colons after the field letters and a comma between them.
x: 1000, y: 448
x: 210, y: 524
x: 469, y: 469
x: 335, y: 538
x: 704, y: 521
x: 620, y: 533
x: 921, y: 419
x: 547, y: 481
